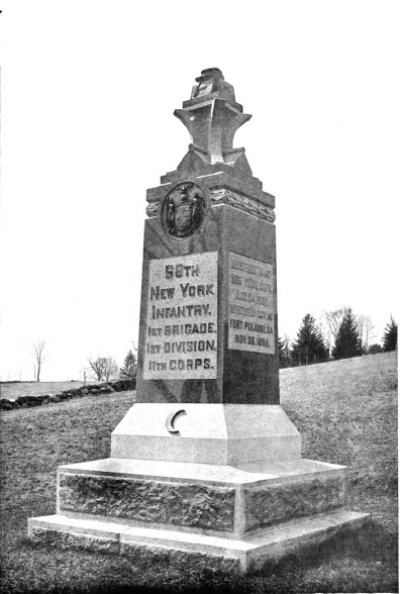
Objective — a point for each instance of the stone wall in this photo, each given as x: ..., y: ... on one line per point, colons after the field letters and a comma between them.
x: 89, y: 390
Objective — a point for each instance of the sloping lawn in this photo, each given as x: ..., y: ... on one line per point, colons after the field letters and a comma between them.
x: 347, y: 414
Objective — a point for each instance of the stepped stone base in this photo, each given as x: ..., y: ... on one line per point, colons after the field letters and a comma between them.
x: 228, y: 554
x: 235, y: 517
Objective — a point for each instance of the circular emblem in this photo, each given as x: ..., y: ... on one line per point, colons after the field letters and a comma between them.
x: 183, y: 210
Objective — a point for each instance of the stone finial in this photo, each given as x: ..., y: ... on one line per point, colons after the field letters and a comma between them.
x: 212, y: 81
x: 212, y: 117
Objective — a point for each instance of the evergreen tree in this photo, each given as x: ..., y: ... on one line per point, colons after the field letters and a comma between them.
x: 129, y: 368
x: 348, y: 341
x: 309, y: 346
x: 390, y: 336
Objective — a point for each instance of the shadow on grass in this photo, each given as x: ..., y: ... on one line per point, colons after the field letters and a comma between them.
x: 363, y: 560
x: 371, y: 543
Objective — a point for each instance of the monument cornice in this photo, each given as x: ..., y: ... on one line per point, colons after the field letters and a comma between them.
x: 217, y: 181
x: 219, y: 196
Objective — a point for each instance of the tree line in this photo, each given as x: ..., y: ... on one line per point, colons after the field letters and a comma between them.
x: 101, y: 369
x: 104, y: 369
x: 340, y: 335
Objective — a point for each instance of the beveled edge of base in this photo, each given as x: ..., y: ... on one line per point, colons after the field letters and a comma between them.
x: 214, y: 474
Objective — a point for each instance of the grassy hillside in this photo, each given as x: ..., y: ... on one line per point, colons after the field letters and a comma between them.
x: 346, y: 412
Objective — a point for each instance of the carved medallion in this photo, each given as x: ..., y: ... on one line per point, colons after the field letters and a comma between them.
x: 183, y: 210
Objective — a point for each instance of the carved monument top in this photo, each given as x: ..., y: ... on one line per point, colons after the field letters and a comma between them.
x: 212, y: 84
x: 212, y: 117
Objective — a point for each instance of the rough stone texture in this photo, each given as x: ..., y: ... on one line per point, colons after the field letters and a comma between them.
x: 67, y: 540
x: 148, y: 501
x: 146, y: 556
x: 272, y: 504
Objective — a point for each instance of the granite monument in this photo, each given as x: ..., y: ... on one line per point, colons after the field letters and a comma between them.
x: 206, y: 466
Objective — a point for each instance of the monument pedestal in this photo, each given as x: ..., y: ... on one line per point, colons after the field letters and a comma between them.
x: 222, y: 434
x: 206, y: 465
x: 214, y: 492
x: 232, y: 518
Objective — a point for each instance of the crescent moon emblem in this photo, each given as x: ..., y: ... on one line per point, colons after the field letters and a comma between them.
x: 169, y: 423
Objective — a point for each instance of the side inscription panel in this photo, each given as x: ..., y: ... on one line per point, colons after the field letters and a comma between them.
x: 252, y: 305
x: 181, y: 323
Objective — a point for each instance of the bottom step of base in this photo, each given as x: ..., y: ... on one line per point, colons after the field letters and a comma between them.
x: 230, y: 554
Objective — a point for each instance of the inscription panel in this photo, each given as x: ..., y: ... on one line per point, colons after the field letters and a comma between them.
x: 181, y: 324
x: 252, y: 305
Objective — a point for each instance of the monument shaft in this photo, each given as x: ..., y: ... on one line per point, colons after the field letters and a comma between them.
x: 208, y: 331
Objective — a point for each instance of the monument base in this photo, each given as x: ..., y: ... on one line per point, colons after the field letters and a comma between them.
x: 215, y: 434
x: 225, y: 554
x: 232, y: 518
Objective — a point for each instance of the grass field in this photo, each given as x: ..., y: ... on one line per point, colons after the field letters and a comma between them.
x: 11, y: 390
x: 346, y: 412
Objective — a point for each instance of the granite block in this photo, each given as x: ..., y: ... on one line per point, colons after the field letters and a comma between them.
x: 185, y: 560
x: 147, y: 546
x: 222, y: 434
x: 68, y: 540
x: 271, y: 504
x: 197, y: 506
x: 200, y: 498
x: 66, y: 533
x: 277, y: 471
x: 277, y: 544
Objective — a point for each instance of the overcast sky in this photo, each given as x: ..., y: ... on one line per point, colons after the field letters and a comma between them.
x: 88, y: 93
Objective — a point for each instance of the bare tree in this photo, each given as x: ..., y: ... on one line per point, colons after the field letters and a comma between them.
x: 285, y: 348
x: 333, y: 320
x: 83, y: 374
x: 103, y: 368
x: 365, y: 329
x: 135, y: 349
x: 39, y: 358
x: 330, y: 323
